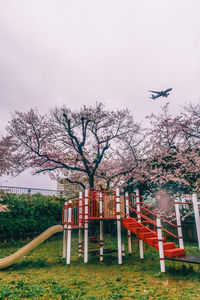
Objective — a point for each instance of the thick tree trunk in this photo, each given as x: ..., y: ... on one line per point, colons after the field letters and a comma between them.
x: 108, y: 185
x: 91, y: 182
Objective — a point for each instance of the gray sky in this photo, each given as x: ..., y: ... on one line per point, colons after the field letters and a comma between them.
x: 78, y: 52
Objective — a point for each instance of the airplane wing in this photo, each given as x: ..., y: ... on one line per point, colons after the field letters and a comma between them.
x: 154, y: 92
x: 168, y: 90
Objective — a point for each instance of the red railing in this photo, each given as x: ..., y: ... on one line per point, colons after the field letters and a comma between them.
x: 146, y: 210
x: 64, y: 214
x: 102, y: 205
x: 147, y: 219
x: 77, y: 218
x: 77, y: 221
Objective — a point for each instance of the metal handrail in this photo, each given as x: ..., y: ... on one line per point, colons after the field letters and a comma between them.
x: 163, y: 219
x: 139, y: 213
x: 151, y: 221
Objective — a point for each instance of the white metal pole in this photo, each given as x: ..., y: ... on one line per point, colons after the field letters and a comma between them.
x: 183, y: 199
x: 80, y: 224
x: 139, y: 221
x: 123, y: 250
x: 101, y: 225
x: 69, y: 231
x: 196, y: 215
x: 160, y: 245
x: 65, y: 233
x: 119, y: 238
x: 178, y: 222
x: 86, y: 228
x: 128, y: 215
x: 64, y: 242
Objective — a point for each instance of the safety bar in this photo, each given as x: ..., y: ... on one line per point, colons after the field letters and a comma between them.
x: 153, y: 222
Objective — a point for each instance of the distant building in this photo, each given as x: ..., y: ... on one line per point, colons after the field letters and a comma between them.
x: 67, y: 190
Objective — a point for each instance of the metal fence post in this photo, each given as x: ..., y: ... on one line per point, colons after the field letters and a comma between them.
x: 178, y: 221
x: 69, y: 232
x: 196, y: 215
x: 139, y: 221
x: 86, y: 227
x: 101, y: 225
x: 65, y: 232
x: 160, y: 245
x: 119, y: 241
x: 80, y: 215
x: 127, y: 216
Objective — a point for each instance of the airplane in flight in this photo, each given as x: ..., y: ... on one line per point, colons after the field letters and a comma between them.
x: 160, y: 94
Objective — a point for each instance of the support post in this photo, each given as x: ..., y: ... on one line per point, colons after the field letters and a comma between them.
x: 101, y: 226
x: 80, y: 243
x: 183, y: 199
x: 160, y: 245
x: 65, y: 232
x: 86, y: 228
x: 139, y: 221
x: 69, y: 231
x: 178, y: 222
x: 196, y: 215
x: 128, y: 215
x: 123, y: 250
x: 119, y: 238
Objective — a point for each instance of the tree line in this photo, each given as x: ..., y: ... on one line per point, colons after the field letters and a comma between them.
x: 99, y: 148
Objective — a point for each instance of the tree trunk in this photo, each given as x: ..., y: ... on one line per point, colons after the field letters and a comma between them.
x: 91, y: 182
x: 108, y: 185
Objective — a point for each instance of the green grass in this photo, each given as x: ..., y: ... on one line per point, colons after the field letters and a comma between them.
x: 43, y: 274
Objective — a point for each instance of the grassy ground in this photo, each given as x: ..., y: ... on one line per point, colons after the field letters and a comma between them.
x: 44, y: 275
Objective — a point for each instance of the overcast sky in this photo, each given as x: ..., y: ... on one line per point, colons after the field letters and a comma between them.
x: 78, y: 52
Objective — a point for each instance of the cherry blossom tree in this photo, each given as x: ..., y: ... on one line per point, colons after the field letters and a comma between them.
x: 190, y: 126
x: 73, y: 145
x: 114, y: 170
x: 171, y: 153
x: 6, y: 147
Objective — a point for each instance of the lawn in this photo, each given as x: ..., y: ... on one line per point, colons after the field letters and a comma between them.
x: 43, y: 274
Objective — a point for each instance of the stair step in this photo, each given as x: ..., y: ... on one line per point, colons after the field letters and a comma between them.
x: 166, y: 246
x: 141, y: 229
x: 147, y: 235
x: 138, y: 230
x: 128, y: 220
x: 133, y: 229
x: 174, y: 252
x: 126, y: 225
x: 153, y: 240
x: 135, y: 224
x: 129, y: 227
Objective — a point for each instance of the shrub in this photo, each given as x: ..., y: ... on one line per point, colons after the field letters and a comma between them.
x: 28, y: 215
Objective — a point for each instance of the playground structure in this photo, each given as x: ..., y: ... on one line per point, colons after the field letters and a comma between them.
x: 129, y: 211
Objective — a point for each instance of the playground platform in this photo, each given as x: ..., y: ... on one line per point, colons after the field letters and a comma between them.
x: 186, y: 259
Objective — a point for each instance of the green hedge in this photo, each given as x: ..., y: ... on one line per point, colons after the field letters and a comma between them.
x: 28, y: 215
